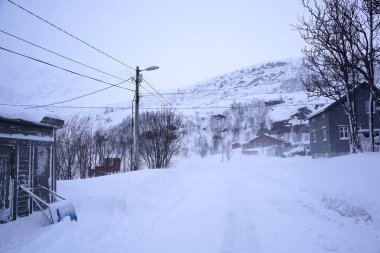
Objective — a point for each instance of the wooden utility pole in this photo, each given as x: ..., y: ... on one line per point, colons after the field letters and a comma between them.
x: 135, y: 158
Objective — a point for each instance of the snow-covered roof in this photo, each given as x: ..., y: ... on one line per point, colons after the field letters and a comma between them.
x: 33, y: 118
x: 320, y: 110
x: 324, y: 108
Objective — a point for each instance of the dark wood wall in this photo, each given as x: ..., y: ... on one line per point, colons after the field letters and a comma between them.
x: 334, y: 117
x: 32, y: 146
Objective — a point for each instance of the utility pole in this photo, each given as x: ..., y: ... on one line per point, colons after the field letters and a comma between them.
x: 132, y: 131
x: 135, y: 154
x: 135, y: 158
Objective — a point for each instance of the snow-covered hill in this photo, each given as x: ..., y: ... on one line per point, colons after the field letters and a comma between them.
x: 276, y: 83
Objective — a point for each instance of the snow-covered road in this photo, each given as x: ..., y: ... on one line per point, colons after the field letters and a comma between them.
x: 250, y: 204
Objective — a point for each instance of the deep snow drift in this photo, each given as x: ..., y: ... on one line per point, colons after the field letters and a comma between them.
x: 249, y: 204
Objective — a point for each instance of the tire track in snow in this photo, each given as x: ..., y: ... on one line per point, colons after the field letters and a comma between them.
x: 240, y: 235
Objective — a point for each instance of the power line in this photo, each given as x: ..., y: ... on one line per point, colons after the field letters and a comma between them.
x: 219, y: 89
x: 71, y: 35
x: 241, y: 93
x: 158, y: 98
x: 75, y: 98
x: 66, y: 106
x: 60, y: 55
x: 157, y: 92
x: 67, y: 70
x: 224, y: 99
x: 151, y: 94
x: 166, y: 101
x: 154, y: 108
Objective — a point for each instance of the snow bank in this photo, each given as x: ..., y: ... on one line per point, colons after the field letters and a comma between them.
x: 250, y: 204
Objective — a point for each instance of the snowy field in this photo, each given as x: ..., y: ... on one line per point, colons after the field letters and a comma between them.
x: 249, y: 204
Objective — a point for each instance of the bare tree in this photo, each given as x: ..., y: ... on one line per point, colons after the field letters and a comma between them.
x: 67, y: 168
x: 366, y: 24
x: 330, y: 57
x: 161, y: 138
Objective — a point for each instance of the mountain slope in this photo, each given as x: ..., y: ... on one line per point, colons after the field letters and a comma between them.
x: 276, y: 83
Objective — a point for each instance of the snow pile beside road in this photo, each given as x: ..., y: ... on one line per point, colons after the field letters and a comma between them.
x: 250, y: 204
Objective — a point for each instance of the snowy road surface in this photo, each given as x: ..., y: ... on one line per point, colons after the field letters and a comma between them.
x: 249, y: 204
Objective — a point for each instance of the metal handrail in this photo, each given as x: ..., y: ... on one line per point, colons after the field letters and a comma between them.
x: 37, y: 199
x: 50, y: 191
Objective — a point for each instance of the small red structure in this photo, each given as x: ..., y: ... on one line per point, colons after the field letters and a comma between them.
x: 110, y: 166
x: 235, y: 145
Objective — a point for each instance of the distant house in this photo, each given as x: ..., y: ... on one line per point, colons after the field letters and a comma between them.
x: 27, y: 157
x: 110, y: 166
x: 235, y: 145
x: 262, y: 141
x: 329, y: 127
x: 263, y: 144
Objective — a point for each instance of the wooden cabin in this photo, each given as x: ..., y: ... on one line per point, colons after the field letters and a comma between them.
x: 27, y: 157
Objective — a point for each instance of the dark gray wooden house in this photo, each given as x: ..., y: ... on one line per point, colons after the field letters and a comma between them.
x: 27, y: 157
x: 329, y: 127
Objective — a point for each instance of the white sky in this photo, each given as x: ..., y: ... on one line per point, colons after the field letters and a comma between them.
x: 189, y: 40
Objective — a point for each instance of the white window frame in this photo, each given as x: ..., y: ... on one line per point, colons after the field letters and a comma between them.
x: 343, y: 130
x: 324, y: 134
x: 314, y: 136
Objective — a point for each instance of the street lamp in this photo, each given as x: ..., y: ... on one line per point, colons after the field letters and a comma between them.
x: 151, y: 68
x: 138, y: 80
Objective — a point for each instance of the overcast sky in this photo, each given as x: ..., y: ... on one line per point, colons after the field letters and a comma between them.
x: 189, y: 40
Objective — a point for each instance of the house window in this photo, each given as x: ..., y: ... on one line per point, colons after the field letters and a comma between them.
x: 323, y: 115
x: 324, y: 134
x: 343, y: 132
x: 110, y: 162
x: 314, y: 136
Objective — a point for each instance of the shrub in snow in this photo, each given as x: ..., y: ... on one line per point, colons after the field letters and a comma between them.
x: 346, y: 209
x: 297, y: 151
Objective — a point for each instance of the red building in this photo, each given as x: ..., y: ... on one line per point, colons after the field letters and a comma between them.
x: 235, y: 145
x: 110, y: 166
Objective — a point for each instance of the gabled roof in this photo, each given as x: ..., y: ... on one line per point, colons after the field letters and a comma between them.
x: 45, y: 122
x: 265, y: 137
x: 55, y: 123
x: 326, y: 107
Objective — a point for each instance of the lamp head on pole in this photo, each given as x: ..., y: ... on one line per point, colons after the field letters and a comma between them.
x: 151, y: 68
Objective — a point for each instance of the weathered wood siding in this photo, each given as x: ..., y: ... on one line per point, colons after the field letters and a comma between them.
x: 21, y: 127
x: 24, y: 173
x: 32, y: 162
x: 6, y: 183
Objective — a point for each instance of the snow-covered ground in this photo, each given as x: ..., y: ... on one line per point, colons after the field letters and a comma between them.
x: 249, y: 204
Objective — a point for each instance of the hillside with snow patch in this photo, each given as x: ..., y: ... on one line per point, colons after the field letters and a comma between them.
x: 277, y: 83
